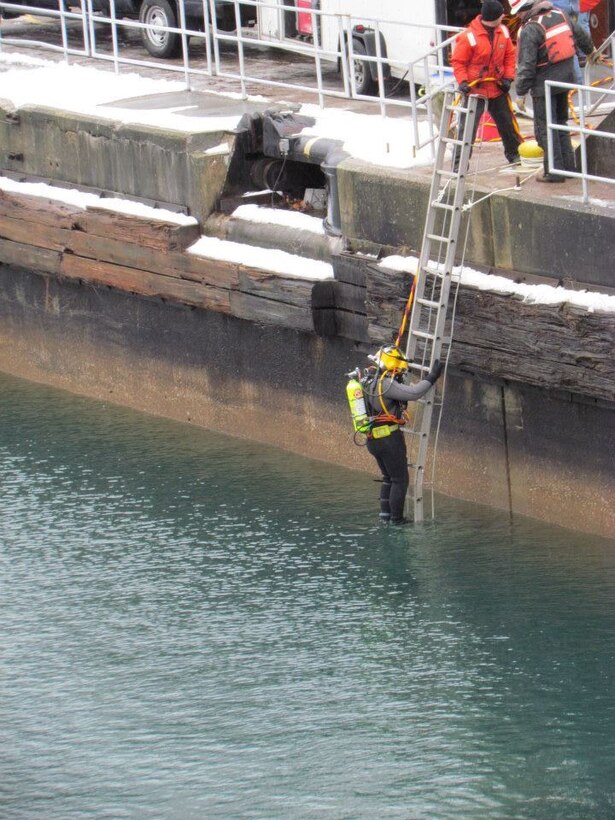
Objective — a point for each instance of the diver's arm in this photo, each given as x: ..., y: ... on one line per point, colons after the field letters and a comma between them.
x: 405, y: 392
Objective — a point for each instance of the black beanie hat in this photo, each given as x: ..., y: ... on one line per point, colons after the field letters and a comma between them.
x: 491, y: 10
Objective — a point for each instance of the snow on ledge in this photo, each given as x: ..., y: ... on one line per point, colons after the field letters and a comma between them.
x: 265, y: 259
x: 275, y: 216
x: 81, y: 199
x: 101, y: 93
x: 531, y: 294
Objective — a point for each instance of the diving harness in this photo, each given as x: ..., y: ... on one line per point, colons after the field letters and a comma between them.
x: 371, y: 426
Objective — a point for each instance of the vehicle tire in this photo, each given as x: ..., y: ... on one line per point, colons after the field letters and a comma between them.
x: 157, y: 13
x: 364, y: 82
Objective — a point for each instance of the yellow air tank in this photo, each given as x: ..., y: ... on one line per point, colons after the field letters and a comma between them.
x: 356, y: 402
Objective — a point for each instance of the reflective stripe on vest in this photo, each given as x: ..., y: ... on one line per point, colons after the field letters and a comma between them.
x: 472, y: 39
x: 559, y: 42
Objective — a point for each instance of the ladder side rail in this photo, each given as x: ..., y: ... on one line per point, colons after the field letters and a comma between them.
x: 455, y: 220
x: 433, y: 337
x: 434, y: 188
x: 434, y: 192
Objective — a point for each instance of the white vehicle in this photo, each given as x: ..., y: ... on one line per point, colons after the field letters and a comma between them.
x: 407, y: 29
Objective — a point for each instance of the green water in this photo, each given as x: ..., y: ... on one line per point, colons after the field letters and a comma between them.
x: 193, y: 627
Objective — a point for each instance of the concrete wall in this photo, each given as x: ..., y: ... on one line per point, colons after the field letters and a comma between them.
x: 541, y: 455
x: 529, y: 233
x: 526, y: 233
x: 150, y: 163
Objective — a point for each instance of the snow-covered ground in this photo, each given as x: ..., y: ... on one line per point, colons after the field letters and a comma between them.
x: 84, y: 90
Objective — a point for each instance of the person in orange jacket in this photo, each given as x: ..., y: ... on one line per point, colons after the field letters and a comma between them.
x: 483, y: 63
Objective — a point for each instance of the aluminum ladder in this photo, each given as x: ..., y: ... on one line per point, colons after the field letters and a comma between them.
x: 430, y: 318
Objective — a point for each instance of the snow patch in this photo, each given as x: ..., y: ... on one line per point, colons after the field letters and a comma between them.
x: 274, y: 216
x: 531, y: 294
x: 83, y: 200
x: 265, y: 259
x: 221, y: 149
x: 92, y: 91
x: 379, y: 141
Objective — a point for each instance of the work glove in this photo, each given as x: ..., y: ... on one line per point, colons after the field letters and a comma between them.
x: 520, y: 103
x: 505, y: 85
x: 594, y: 57
x: 464, y: 87
x: 435, y: 372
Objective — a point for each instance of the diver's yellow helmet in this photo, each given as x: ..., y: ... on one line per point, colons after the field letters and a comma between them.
x: 390, y: 357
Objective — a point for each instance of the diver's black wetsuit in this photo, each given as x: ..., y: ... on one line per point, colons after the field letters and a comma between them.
x: 390, y: 451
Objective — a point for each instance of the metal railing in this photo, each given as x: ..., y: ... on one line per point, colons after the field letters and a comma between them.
x: 605, y: 52
x: 427, y: 71
x: 582, y: 129
x: 61, y: 14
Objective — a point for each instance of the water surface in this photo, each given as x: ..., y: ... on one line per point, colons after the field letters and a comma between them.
x: 194, y: 626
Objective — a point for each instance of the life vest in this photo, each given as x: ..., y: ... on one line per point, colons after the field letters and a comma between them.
x: 559, y: 41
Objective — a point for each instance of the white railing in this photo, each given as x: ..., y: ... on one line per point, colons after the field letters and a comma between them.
x: 605, y: 53
x: 582, y: 129
x: 428, y: 71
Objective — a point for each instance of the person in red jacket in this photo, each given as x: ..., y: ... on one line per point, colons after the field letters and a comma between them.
x: 483, y: 63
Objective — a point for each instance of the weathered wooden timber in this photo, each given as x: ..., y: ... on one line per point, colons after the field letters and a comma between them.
x: 146, y: 257
x: 558, y: 347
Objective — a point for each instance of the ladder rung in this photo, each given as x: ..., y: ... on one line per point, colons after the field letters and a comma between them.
x: 433, y: 271
x: 429, y: 304
x: 423, y: 334
x: 448, y: 174
x: 451, y: 141
x: 435, y: 238
x: 445, y: 206
x: 457, y: 108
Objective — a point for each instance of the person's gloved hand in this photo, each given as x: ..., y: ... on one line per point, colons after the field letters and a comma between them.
x: 435, y: 372
x: 520, y: 102
x: 505, y: 85
x: 594, y: 57
x: 464, y: 87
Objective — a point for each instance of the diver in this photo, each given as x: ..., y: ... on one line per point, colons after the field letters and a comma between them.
x: 386, y: 397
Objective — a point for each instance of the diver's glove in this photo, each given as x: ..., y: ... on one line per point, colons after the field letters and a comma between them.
x: 435, y: 372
